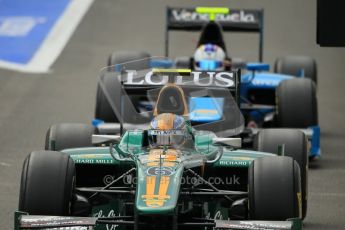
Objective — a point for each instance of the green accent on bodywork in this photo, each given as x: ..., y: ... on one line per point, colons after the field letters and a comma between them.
x: 17, y: 215
x: 239, y: 158
x: 92, y: 155
x: 296, y: 223
x: 281, y: 150
x: 212, y: 11
x: 203, y: 142
x: 189, y: 127
x: 169, y: 204
x: 131, y: 141
x: 230, y: 158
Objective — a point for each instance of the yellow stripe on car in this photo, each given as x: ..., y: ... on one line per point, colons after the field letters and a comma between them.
x: 212, y: 11
x: 169, y: 158
x: 155, y: 70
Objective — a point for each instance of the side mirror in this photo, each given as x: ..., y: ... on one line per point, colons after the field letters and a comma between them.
x: 119, y: 154
x: 103, y: 139
x: 227, y: 142
x: 258, y: 66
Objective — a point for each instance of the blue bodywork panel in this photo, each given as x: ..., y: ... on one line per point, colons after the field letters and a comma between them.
x: 269, y: 81
x: 161, y: 63
x: 205, y: 109
x: 258, y: 66
x: 315, y: 150
x: 263, y: 81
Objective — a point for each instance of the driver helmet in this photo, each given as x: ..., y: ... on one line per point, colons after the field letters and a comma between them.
x: 168, y: 121
x: 167, y: 129
x: 209, y: 57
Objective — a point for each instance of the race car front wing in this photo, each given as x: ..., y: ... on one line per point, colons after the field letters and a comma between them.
x: 25, y: 221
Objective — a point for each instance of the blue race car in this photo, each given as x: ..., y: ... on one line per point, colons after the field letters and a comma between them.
x: 285, y: 98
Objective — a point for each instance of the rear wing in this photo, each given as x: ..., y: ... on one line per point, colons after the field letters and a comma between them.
x: 134, y: 90
x: 235, y: 20
x: 211, y: 79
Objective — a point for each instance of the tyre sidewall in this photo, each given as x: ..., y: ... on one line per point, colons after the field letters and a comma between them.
x: 47, y: 183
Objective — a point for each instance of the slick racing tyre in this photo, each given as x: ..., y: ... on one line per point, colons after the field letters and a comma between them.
x: 296, y: 146
x: 183, y: 63
x: 128, y: 57
x: 103, y: 109
x: 47, y: 184
x: 274, y: 189
x: 296, y: 103
x: 294, y: 65
x: 68, y: 135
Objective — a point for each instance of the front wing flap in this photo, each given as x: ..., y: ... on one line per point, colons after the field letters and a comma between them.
x: 24, y: 221
x: 292, y: 224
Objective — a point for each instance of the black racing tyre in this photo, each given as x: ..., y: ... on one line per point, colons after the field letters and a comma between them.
x: 293, y: 65
x: 103, y: 109
x: 47, y: 184
x: 296, y: 146
x: 68, y: 135
x: 183, y: 63
x: 296, y: 103
x: 274, y: 189
x: 126, y: 56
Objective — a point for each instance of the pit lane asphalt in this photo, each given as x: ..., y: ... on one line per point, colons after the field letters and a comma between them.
x: 29, y: 103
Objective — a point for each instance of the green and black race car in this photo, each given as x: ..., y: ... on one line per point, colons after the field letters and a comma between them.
x: 172, y: 167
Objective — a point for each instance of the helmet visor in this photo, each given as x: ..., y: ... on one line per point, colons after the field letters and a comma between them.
x: 209, y: 64
x: 171, y: 138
